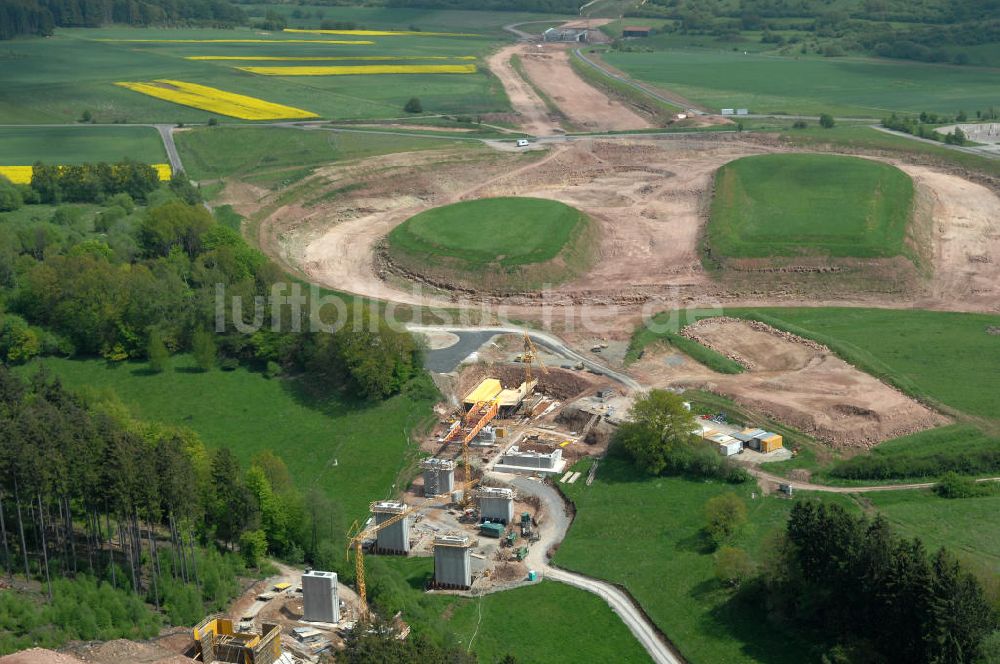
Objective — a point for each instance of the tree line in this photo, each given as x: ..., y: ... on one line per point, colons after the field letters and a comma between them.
x: 879, y: 596
x: 927, y: 31
x: 132, y: 282
x: 40, y: 17
x: 88, y: 492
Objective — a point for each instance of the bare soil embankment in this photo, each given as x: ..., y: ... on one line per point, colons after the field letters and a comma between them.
x: 795, y: 381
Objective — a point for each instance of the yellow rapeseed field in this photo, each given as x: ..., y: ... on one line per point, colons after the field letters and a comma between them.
x: 348, y: 70
x: 381, y: 33
x: 326, y: 58
x: 240, y: 41
x: 217, y: 101
x: 22, y: 174
x: 17, y: 174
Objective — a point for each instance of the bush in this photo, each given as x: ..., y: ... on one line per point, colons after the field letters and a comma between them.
x: 826, y: 121
x: 733, y: 566
x: 800, y: 124
x: 724, y: 516
x: 953, y: 485
x: 414, y: 106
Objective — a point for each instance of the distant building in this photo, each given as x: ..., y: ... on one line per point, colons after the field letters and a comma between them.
x: 636, y: 31
x: 564, y: 35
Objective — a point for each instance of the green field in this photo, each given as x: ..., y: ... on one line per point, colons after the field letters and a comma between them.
x: 841, y: 86
x: 511, y: 231
x: 20, y: 146
x: 496, y: 242
x: 645, y: 533
x: 353, y: 452
x: 403, y: 18
x: 56, y: 79
x: 216, y: 152
x: 966, y: 526
x: 808, y: 205
x: 540, y: 623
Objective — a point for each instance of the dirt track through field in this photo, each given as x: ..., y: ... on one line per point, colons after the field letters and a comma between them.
x: 534, y: 114
x: 586, y: 107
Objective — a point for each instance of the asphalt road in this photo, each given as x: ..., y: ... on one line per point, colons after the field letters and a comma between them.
x: 551, y: 342
x: 167, y: 134
x: 445, y: 360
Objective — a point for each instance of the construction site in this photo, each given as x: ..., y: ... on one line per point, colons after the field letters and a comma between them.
x: 470, y: 507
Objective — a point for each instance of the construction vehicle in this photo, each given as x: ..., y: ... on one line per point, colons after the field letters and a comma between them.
x: 522, y: 553
x: 510, y: 539
x: 525, y: 524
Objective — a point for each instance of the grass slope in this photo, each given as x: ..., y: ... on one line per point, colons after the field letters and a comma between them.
x: 75, y: 145
x: 962, y: 525
x: 509, y: 231
x: 540, y: 623
x: 249, y: 413
x: 502, y: 244
x: 56, y: 79
x: 645, y: 533
x: 809, y: 204
x: 810, y: 85
x: 215, y: 152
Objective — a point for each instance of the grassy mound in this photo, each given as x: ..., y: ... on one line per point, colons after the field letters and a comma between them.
x: 809, y: 205
x: 503, y: 244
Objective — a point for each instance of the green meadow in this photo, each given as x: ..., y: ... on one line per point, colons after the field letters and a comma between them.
x: 216, y: 152
x: 55, y: 80
x: 352, y: 452
x: 20, y: 146
x: 809, y: 205
x: 810, y: 85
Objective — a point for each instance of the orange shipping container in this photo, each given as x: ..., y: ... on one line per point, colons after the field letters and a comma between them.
x: 770, y: 444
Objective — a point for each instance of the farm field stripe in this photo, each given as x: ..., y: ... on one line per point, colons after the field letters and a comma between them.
x: 327, y: 58
x: 217, y: 101
x: 22, y: 174
x: 380, y: 33
x: 363, y: 70
x: 361, y: 42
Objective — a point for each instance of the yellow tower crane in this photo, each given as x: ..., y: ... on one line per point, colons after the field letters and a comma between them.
x: 530, y: 356
x: 355, y: 539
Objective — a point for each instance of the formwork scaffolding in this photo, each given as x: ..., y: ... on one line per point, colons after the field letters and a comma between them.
x: 439, y: 476
x: 217, y: 641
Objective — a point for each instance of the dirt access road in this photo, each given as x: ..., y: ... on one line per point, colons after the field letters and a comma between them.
x: 535, y: 118
x: 586, y: 107
x: 809, y: 486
